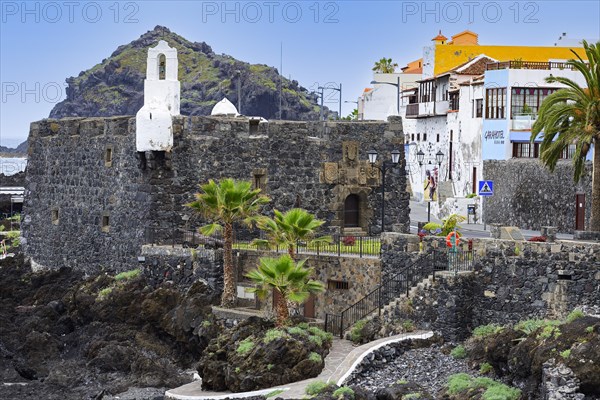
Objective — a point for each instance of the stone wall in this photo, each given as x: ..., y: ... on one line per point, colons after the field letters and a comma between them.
x: 92, y: 200
x: 528, y: 195
x: 511, y: 281
x: 361, y: 274
x: 182, y: 266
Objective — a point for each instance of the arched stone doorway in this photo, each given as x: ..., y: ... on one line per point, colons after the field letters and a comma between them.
x: 352, y: 211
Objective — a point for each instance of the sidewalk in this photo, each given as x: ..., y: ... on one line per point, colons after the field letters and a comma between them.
x: 418, y: 213
x: 342, y: 359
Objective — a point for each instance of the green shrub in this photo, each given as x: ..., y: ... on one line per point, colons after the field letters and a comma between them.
x: 270, y: 367
x: 303, y: 325
x: 487, y: 330
x: 408, y: 326
x: 565, y: 354
x: 245, y: 346
x: 501, y: 392
x: 314, y: 388
x: 459, y: 352
x: 356, y: 331
x: 531, y: 325
x: 494, y: 390
x: 238, y: 370
x: 273, y: 334
x: 549, y: 331
x: 206, y: 323
x: 343, y: 392
x: 485, y: 368
x: 274, y: 393
x: 575, y: 314
x: 411, y: 396
x: 470, y: 196
x: 589, y: 329
x: 316, y: 340
x: 401, y: 382
x: 296, y: 330
x: 128, y: 275
x: 325, y: 336
x: 105, y: 292
x: 458, y: 382
x: 315, y: 357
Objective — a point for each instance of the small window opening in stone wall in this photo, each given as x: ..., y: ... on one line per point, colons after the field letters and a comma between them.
x: 54, y: 216
x: 418, y: 137
x: 162, y: 67
x: 108, y: 157
x: 412, y: 135
x: 105, y: 223
x: 437, y: 138
x: 253, y: 125
x: 337, y: 285
x: 424, y: 137
x: 564, y: 276
x: 259, y: 178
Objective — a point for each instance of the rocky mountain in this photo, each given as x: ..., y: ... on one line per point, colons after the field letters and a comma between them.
x: 20, y: 150
x: 116, y: 85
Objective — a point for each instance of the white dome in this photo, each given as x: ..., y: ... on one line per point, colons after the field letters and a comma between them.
x: 224, y: 107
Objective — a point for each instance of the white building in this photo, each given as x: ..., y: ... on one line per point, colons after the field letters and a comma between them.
x: 382, y: 100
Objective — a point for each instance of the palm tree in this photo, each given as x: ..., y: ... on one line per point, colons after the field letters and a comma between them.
x: 385, y: 66
x: 224, y: 204
x: 572, y: 116
x: 291, y: 280
x: 290, y: 228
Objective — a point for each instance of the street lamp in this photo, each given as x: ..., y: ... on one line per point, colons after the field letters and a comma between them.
x: 393, y: 84
x: 340, y: 102
x: 439, y: 157
x: 383, y: 168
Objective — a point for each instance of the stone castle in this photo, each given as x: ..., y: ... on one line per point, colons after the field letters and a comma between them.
x: 96, y: 186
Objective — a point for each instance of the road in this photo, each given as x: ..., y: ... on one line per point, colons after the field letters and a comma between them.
x: 418, y: 212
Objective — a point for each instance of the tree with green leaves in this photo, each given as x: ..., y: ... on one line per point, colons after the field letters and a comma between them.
x: 290, y: 279
x: 223, y: 204
x: 572, y: 116
x: 385, y: 66
x: 290, y: 228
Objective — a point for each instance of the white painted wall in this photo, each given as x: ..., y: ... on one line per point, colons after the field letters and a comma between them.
x: 161, y: 101
x: 381, y: 102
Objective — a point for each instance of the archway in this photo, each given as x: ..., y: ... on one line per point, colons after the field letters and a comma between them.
x: 351, y: 211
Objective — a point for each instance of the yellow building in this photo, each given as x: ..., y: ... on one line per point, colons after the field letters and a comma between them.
x: 446, y: 54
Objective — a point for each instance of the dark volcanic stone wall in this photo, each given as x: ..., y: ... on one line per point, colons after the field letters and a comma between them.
x: 511, y: 281
x: 528, y: 195
x: 68, y: 173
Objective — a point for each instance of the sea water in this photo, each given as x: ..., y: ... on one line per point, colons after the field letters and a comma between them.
x: 11, y: 166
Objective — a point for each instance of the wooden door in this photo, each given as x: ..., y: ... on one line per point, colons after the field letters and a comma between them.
x: 309, y: 307
x: 351, y: 211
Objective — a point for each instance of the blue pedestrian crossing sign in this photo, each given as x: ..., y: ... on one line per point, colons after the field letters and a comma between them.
x: 486, y: 188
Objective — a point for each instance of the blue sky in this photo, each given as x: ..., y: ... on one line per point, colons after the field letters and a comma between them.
x: 42, y: 43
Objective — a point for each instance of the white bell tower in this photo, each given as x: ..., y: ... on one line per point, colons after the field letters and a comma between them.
x: 154, y: 130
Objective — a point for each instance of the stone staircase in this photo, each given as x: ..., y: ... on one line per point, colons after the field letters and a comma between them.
x: 387, y: 312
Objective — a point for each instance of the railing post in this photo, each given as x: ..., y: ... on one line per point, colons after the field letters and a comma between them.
x: 379, y: 299
x: 326, y: 326
x: 360, y: 240
x: 342, y: 326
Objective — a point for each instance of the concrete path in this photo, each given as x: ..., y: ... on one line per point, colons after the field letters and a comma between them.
x: 341, y: 361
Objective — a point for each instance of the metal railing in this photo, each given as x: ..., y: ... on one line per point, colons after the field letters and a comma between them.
x: 389, y: 289
x: 398, y: 284
x: 518, y: 64
x: 340, y: 245
x: 244, y: 239
x: 454, y: 261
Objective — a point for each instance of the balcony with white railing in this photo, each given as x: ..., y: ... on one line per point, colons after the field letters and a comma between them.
x: 522, y: 122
